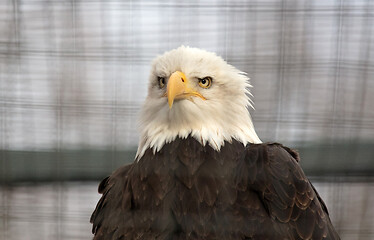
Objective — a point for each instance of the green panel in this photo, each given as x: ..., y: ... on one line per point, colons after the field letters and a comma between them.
x: 338, y: 158
x: 318, y: 159
x: 60, y: 166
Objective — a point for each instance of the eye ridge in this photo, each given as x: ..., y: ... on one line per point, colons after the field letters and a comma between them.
x: 205, y: 82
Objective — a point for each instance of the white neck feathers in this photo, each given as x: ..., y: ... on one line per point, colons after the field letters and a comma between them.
x: 163, y: 127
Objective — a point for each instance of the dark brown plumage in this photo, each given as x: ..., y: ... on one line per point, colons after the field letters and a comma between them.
x: 190, y: 191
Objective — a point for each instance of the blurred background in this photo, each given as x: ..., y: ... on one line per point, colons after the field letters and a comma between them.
x: 73, y: 76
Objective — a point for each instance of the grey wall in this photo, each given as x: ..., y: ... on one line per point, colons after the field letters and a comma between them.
x: 73, y: 76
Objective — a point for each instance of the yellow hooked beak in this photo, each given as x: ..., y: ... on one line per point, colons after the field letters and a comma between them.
x: 178, y: 88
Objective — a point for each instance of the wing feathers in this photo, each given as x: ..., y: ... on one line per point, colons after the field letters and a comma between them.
x: 287, y: 193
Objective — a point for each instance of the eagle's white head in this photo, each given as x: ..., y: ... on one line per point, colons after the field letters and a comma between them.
x: 195, y: 92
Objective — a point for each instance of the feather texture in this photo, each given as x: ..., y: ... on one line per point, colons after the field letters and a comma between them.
x: 190, y: 191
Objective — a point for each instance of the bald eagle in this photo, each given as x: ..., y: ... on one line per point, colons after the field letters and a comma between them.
x: 201, y: 171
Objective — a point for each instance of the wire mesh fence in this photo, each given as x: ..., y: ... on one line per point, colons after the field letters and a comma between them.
x: 73, y: 75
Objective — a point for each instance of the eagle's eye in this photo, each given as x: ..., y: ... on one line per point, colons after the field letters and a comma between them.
x: 161, y: 82
x: 205, y: 82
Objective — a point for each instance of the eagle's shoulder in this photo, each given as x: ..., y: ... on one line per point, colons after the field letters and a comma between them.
x: 113, y: 204
x: 271, y: 149
x: 286, y: 193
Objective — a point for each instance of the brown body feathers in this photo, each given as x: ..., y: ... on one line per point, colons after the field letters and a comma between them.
x: 190, y: 191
